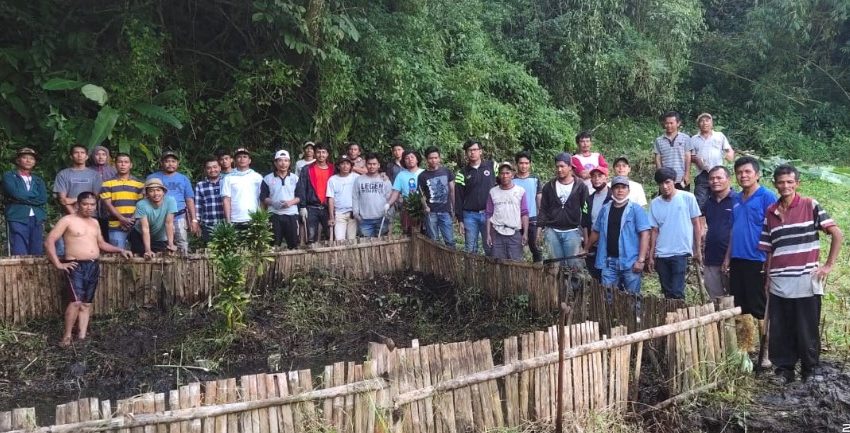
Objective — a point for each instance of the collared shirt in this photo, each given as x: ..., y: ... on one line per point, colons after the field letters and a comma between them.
x: 124, y: 193
x: 673, y: 152
x: 712, y: 149
x: 633, y: 222
x: 747, y: 221
x: 718, y: 217
x: 208, y: 197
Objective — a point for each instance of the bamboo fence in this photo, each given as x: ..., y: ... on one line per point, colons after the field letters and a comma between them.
x: 441, y: 388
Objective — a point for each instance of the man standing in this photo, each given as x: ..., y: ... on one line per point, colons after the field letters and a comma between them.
x: 25, y: 197
x: 394, y: 166
x: 562, y: 210
x: 673, y: 149
x: 744, y: 261
x: 472, y: 187
x: 240, y: 191
x: 796, y: 280
x: 405, y: 183
x: 179, y: 187
x: 710, y: 148
x: 277, y: 193
x: 600, y: 196
x: 585, y: 161
x: 674, y: 216
x: 622, y: 231
x: 371, y: 200
x: 154, y: 229
x: 358, y: 164
x: 507, y: 217
x: 308, y: 156
x: 208, y: 198
x: 83, y: 242
x: 340, y: 201
x: 636, y: 192
x: 119, y: 196
x: 70, y: 182
x: 533, y: 192
x: 437, y: 186
x: 311, y: 191
x: 718, y: 216
x: 225, y: 162
x: 99, y: 162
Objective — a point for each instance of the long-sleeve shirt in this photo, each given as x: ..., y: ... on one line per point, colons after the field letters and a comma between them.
x: 472, y: 186
x: 22, y: 201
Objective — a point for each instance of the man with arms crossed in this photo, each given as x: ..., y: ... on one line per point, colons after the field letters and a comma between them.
x: 119, y: 196
x: 83, y: 244
x: 710, y: 148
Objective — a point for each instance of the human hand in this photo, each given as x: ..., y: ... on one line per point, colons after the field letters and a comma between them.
x: 126, y: 223
x: 524, y: 239
x: 149, y: 254
x: 698, y: 258
x: 127, y: 254
x: 386, y: 208
x: 303, y: 213
x: 67, y: 267
x: 171, y: 248
x: 195, y: 228
x: 638, y: 267
x: 724, y: 267
x: 823, y: 271
x: 331, y: 221
x: 461, y: 228
x: 489, y: 240
x: 650, y: 265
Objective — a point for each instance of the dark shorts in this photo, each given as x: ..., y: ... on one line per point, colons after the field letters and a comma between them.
x: 82, y: 281
x: 746, y: 284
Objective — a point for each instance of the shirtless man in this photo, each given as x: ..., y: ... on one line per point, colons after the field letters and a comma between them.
x: 83, y: 244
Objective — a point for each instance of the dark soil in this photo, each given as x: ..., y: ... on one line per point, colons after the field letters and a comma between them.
x: 310, y: 321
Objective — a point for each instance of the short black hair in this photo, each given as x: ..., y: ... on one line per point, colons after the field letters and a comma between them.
x: 370, y: 156
x: 222, y: 152
x: 472, y: 142
x: 320, y: 146
x: 671, y: 114
x: 520, y: 155
x: 120, y: 154
x: 430, y: 150
x: 720, y: 168
x: 744, y: 160
x: 78, y: 145
x: 583, y: 134
x: 210, y: 158
x: 404, y: 156
x: 86, y: 194
x: 353, y: 143
x: 784, y: 169
x: 398, y: 143
x: 664, y: 174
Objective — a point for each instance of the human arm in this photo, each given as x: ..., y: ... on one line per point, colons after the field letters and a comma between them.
x: 126, y: 223
x: 523, y: 208
x: 145, y: 227
x: 592, y: 238
x: 451, y: 196
x: 729, y: 153
x: 834, y: 248
x: 226, y: 205
x: 66, y: 202
x: 194, y: 225
x: 650, y: 256
x: 109, y: 248
x: 643, y: 248
x: 697, y: 227
x: 331, y: 210
x: 50, y: 246
x: 657, y: 161
x: 686, y: 179
x: 169, y: 233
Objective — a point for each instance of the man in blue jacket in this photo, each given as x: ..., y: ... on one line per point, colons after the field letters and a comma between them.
x: 25, y: 197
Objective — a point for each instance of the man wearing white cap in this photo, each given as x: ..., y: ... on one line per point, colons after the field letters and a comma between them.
x: 277, y: 193
x: 710, y: 147
x: 240, y: 191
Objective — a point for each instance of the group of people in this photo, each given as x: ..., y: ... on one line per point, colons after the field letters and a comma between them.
x: 750, y: 242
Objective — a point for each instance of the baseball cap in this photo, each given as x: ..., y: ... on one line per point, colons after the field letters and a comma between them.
x: 563, y: 157
x: 343, y: 158
x: 169, y: 154
x: 26, y: 151
x: 507, y: 164
x: 704, y: 115
x: 603, y: 170
x: 308, y: 144
x: 241, y: 150
x: 620, y: 180
x: 281, y: 154
x: 622, y: 159
x: 155, y: 183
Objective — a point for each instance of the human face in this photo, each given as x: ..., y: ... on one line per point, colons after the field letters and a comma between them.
x: 620, y: 192
x: 155, y: 194
x: 372, y: 166
x: 671, y: 125
x: 433, y: 160
x: 212, y: 169
x: 354, y: 151
x: 282, y: 164
x: 87, y: 207
x: 718, y: 182
x: 397, y: 152
x: 344, y: 168
x: 410, y: 161
x: 706, y: 124
x: 225, y: 162
x: 309, y: 153
x: 26, y: 162
x: 667, y: 188
x: 169, y: 165
x: 506, y: 176
x: 622, y: 169
x: 79, y: 155
x: 321, y: 155
x: 563, y: 170
x: 787, y: 185
x: 584, y: 145
x: 123, y: 165
x: 747, y: 176
x: 473, y: 154
x: 598, y: 179
x: 243, y: 161
x: 100, y: 157
x: 523, y: 166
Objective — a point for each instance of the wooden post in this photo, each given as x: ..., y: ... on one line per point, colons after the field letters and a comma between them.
x: 730, y: 338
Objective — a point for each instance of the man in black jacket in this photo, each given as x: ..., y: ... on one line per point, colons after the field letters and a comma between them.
x: 562, y: 209
x: 311, y: 189
x: 472, y: 187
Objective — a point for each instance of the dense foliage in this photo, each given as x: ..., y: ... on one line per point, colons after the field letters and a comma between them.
x: 197, y: 76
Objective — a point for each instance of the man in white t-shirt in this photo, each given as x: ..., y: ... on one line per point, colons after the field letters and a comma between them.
x: 636, y: 192
x: 340, y: 195
x: 710, y: 148
x: 240, y: 190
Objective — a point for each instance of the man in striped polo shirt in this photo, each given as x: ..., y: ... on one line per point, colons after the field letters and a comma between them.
x: 673, y: 149
x: 119, y: 196
x: 795, y: 278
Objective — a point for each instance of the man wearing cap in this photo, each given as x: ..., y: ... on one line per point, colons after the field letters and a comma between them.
x: 240, y: 191
x: 710, y: 148
x: 153, y: 231
x: 585, y: 160
x: 405, y: 183
x: 599, y: 196
x: 437, y: 188
x: 340, y: 201
x: 311, y: 191
x: 562, y: 210
x: 372, y: 192
x: 507, y: 216
x: 70, y: 182
x: 208, y: 198
x: 308, y: 156
x: 25, y: 197
x: 119, y: 196
x: 179, y: 187
x: 533, y: 192
x: 676, y: 234
x: 621, y: 233
x: 636, y: 192
x: 673, y: 149
x: 277, y: 193
x: 472, y: 187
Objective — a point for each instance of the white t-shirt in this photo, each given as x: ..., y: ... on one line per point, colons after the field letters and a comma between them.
x: 243, y: 188
x: 636, y: 193
x: 341, y: 189
x: 28, y: 183
x: 712, y: 149
x: 564, y: 191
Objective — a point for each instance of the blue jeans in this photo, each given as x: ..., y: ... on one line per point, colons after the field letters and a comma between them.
x: 439, y: 224
x: 613, y: 276
x: 26, y: 238
x: 369, y: 227
x: 565, y: 244
x: 473, y: 230
x: 671, y: 275
x: 118, y: 238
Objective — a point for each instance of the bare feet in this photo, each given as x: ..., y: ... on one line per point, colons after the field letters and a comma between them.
x: 65, y: 342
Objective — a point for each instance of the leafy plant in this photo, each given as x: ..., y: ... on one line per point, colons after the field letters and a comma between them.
x: 413, y: 205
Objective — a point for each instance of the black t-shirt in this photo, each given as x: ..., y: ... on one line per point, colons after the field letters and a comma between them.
x: 434, y: 186
x: 615, y: 217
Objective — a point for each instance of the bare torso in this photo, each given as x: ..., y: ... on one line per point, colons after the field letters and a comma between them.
x: 81, y: 238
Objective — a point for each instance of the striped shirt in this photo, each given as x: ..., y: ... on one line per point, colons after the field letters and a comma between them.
x: 124, y: 194
x: 792, y: 237
x: 673, y: 152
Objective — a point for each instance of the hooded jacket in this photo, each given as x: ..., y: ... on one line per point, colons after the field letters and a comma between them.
x: 305, y: 189
x: 563, y: 216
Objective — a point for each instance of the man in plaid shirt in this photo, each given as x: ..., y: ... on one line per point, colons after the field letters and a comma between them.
x: 208, y: 198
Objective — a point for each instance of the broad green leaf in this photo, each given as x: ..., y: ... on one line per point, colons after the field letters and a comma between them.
x: 95, y: 93
x: 103, y: 125
x: 61, y: 84
x: 146, y: 128
x: 158, y: 113
x: 166, y: 96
